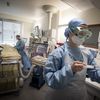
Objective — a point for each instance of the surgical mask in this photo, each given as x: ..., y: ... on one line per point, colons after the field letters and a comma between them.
x: 82, y: 33
x: 78, y: 41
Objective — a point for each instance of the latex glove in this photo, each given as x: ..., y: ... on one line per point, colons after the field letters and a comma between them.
x: 77, y: 66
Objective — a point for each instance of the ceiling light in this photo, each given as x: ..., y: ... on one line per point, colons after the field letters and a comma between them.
x: 49, y: 8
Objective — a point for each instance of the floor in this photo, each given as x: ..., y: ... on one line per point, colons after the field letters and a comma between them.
x: 26, y: 93
x: 29, y: 93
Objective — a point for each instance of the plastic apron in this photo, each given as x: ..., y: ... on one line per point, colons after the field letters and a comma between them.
x: 74, y: 90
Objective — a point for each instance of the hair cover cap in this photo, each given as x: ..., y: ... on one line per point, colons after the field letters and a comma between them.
x: 72, y: 25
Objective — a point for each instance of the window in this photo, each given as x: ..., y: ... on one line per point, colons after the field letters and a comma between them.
x: 8, y: 30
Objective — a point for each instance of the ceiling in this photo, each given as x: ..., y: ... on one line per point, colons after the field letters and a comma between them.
x: 32, y: 9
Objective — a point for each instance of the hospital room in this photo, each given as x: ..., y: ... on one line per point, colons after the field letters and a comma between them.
x: 49, y: 49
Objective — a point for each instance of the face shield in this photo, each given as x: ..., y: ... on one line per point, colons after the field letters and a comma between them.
x: 82, y: 33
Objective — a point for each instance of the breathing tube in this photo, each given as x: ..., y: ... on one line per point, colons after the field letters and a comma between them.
x: 21, y: 72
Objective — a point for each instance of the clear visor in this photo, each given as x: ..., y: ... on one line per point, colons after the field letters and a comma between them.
x: 83, y: 32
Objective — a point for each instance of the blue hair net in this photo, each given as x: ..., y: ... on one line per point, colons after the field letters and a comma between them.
x: 67, y: 32
x: 72, y: 25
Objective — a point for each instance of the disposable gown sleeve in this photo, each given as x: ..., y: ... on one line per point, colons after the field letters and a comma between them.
x: 94, y: 73
x: 20, y: 45
x: 56, y: 75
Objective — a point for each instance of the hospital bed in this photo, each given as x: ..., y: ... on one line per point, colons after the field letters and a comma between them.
x: 10, y: 78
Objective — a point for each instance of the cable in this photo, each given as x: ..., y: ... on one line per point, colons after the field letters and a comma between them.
x: 21, y: 73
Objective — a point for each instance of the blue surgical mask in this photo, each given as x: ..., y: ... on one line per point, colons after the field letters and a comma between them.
x: 78, y: 41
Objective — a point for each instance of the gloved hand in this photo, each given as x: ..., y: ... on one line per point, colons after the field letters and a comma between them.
x: 77, y: 66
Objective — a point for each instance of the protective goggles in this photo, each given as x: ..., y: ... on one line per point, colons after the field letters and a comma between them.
x: 82, y: 32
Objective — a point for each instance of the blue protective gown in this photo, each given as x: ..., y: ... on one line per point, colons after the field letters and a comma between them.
x: 66, y: 85
x: 20, y: 45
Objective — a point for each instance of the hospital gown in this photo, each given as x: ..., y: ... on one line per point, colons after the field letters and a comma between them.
x: 66, y: 85
x: 20, y: 45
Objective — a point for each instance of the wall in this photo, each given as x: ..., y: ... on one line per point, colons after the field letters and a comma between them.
x: 66, y: 15
x: 92, y: 16
x: 54, y: 24
x: 27, y: 30
x: 55, y: 20
x: 42, y: 22
x: 7, y: 16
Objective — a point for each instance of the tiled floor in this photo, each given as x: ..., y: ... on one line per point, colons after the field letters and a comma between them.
x: 26, y: 93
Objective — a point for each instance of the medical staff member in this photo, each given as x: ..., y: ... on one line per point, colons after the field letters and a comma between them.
x: 20, y: 46
x: 66, y: 68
